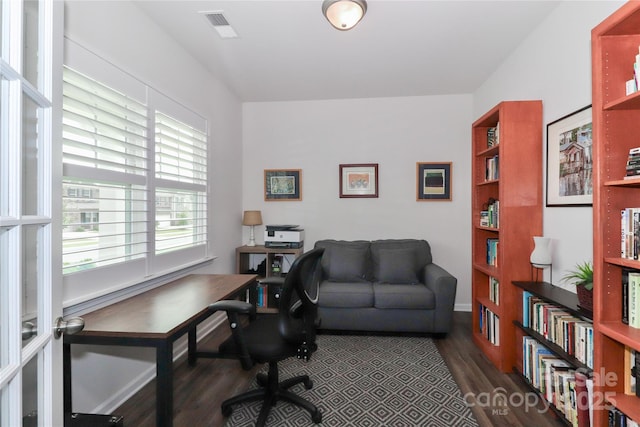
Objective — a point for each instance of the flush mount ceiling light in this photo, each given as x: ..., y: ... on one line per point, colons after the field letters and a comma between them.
x: 344, y: 14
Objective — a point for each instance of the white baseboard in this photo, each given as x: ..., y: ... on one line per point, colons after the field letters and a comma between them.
x: 462, y: 307
x: 180, y: 348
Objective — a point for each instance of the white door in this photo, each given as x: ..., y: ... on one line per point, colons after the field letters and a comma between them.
x: 30, y: 357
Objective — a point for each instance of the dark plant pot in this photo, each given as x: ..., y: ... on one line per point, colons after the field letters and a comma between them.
x: 585, y: 298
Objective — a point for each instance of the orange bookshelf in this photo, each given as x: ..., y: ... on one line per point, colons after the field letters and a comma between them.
x: 519, y: 192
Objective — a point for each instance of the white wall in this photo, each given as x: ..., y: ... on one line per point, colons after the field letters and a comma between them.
x: 554, y: 64
x: 318, y: 136
x: 120, y: 33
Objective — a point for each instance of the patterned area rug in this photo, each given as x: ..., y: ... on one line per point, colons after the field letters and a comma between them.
x: 369, y: 381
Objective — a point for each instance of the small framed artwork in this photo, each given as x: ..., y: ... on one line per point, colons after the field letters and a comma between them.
x: 433, y: 181
x: 282, y: 184
x: 359, y: 180
x: 570, y: 160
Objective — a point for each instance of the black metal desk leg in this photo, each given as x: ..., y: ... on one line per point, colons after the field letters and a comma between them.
x: 66, y: 380
x: 192, y: 346
x: 164, y: 384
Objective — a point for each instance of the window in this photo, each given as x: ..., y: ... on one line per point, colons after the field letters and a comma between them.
x: 135, y: 184
x: 181, y: 163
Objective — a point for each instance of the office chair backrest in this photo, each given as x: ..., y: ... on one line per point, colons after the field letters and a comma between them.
x: 299, y: 299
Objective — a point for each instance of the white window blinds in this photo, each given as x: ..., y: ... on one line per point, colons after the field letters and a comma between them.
x: 103, y: 128
x: 135, y: 183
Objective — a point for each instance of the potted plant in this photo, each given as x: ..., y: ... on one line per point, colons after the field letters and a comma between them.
x: 582, y: 277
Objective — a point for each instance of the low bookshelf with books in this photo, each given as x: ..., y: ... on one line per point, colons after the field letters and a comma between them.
x: 267, y: 263
x: 555, y: 357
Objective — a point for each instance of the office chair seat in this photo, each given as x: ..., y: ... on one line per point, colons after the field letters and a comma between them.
x: 263, y: 340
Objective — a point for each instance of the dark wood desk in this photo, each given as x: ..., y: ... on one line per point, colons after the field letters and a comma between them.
x: 156, y: 318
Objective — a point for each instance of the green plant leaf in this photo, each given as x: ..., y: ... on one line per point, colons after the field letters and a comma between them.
x: 582, y: 275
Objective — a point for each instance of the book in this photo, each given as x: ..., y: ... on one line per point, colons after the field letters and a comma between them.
x: 583, y: 400
x: 631, y: 361
x: 625, y: 296
x: 634, y: 299
x: 491, y: 137
x: 526, y: 297
x: 494, y: 290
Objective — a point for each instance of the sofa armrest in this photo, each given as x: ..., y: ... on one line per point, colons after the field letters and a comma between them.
x: 444, y: 286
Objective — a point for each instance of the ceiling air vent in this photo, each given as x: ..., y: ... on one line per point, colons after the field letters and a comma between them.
x: 220, y: 23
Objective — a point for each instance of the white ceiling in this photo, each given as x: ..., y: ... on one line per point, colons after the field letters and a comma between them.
x: 286, y: 50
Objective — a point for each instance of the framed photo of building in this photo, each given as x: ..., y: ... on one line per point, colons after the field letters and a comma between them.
x: 433, y: 181
x: 570, y: 160
x: 359, y: 180
x: 282, y: 184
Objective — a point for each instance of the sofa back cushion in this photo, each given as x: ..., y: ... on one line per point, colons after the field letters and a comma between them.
x: 345, y: 261
x: 400, y: 260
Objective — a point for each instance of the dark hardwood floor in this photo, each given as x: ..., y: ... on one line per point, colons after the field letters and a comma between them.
x: 498, y: 399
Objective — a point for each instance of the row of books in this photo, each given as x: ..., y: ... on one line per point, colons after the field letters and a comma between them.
x: 571, y: 333
x: 631, y: 298
x: 619, y: 419
x: 569, y: 390
x: 492, y: 168
x: 492, y: 251
x: 264, y: 295
x: 494, y: 290
x: 489, y: 325
x: 490, y: 217
x: 493, y: 136
x: 633, y: 164
x: 632, y: 371
x: 630, y: 233
x: 616, y: 417
x: 634, y: 84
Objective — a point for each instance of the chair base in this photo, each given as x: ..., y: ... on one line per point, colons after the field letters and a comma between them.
x: 270, y: 392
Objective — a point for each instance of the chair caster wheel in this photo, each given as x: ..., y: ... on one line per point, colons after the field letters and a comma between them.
x: 308, y: 385
x: 226, y: 411
x: 316, y: 417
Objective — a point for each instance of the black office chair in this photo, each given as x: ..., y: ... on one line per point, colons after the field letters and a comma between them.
x: 275, y: 337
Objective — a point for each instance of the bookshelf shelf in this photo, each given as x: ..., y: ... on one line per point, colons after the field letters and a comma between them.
x: 615, y: 42
x: 622, y: 333
x: 517, y: 126
x: 248, y: 259
x: 557, y: 350
x: 623, y: 183
x: 630, y: 102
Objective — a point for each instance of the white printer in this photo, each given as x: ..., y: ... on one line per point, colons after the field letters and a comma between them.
x: 283, y: 236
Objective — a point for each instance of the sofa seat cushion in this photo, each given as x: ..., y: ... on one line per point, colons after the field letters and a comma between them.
x: 346, y: 295
x: 411, y: 297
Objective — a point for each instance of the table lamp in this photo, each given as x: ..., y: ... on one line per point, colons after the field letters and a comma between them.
x: 541, y: 255
x: 252, y: 218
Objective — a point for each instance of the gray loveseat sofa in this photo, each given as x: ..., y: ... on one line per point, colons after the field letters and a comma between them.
x: 384, y: 285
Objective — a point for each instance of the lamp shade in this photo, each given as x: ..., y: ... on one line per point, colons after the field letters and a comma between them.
x: 344, y: 14
x: 541, y: 255
x: 252, y: 218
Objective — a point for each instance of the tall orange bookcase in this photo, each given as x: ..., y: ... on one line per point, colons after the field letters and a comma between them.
x: 616, y: 129
x: 506, y: 214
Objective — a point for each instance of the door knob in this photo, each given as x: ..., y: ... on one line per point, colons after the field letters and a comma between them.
x: 29, y: 330
x: 71, y: 326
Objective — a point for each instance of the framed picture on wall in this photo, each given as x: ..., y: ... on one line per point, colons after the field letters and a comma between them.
x: 433, y: 181
x: 282, y: 184
x: 570, y: 160
x: 359, y: 180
